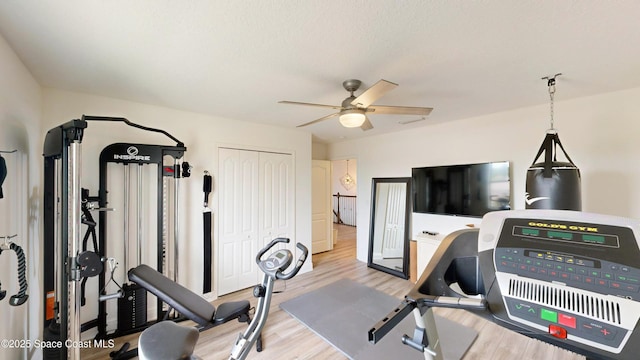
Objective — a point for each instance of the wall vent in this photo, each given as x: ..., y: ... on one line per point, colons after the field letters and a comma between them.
x: 565, y: 299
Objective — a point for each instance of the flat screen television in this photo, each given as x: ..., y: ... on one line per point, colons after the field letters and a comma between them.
x: 466, y: 190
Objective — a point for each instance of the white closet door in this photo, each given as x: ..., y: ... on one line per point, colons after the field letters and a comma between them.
x: 238, y: 217
x: 277, y: 191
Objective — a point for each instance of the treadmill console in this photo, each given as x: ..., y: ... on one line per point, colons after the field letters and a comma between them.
x: 573, y: 275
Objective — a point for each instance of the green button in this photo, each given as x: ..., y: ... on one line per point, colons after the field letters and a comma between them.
x: 607, y: 276
x: 549, y: 315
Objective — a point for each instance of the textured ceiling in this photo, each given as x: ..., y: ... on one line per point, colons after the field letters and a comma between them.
x: 237, y: 59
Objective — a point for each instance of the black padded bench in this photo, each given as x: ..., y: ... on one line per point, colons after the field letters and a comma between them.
x: 189, y: 304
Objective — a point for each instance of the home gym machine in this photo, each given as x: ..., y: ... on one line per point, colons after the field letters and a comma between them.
x: 66, y: 207
x: 166, y: 340
x: 132, y: 304
x: 567, y: 278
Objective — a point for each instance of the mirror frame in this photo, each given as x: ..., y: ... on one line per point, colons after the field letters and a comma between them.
x: 405, y: 261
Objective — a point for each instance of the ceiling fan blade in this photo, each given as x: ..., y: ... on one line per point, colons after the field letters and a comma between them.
x: 406, y: 122
x: 338, y: 107
x: 399, y: 110
x: 318, y: 120
x: 366, y: 125
x: 373, y: 93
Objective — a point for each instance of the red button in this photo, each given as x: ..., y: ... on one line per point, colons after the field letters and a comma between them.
x: 557, y: 331
x: 567, y: 320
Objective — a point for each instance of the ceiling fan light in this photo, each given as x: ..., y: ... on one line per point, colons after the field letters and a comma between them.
x: 352, y: 118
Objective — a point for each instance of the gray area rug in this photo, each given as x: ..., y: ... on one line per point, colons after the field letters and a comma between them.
x: 343, y: 312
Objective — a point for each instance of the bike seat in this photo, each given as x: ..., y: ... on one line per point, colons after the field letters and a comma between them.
x: 167, y: 340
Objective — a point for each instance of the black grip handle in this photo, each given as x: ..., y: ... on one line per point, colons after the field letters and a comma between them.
x: 298, y: 265
x: 269, y: 246
x: 20, y: 298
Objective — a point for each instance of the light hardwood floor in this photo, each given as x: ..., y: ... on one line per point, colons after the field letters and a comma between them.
x: 286, y: 338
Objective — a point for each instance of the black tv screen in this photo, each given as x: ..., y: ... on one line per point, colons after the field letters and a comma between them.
x: 469, y: 190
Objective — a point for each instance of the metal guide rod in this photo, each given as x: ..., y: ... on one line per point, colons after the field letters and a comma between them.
x: 74, y: 221
x: 57, y: 267
x: 125, y: 212
x: 165, y: 227
x: 176, y: 228
x: 139, y: 215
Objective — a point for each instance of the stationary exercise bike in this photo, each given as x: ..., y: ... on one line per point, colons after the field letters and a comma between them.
x: 167, y: 340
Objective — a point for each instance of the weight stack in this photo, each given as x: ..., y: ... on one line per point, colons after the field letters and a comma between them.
x: 552, y: 184
x: 132, y: 308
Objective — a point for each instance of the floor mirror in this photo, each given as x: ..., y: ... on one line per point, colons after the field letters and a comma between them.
x: 389, y: 232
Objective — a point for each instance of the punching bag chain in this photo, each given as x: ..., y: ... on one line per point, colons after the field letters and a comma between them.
x: 551, y: 83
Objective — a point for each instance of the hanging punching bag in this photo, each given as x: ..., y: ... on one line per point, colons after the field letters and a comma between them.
x: 552, y: 184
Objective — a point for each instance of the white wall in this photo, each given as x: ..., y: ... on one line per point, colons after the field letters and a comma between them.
x: 318, y: 151
x: 202, y: 136
x: 20, y: 209
x: 600, y: 133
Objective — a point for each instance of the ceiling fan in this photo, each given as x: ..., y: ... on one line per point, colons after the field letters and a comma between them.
x: 354, y: 109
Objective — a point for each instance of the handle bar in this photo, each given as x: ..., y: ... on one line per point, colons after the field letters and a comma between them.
x: 298, y: 265
x: 269, y: 246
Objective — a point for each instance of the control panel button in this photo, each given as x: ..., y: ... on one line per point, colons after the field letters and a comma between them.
x: 558, y: 331
x: 549, y: 315
x: 567, y: 320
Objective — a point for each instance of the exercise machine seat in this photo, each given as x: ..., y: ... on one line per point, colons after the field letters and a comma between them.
x: 167, y: 340
x: 231, y: 310
x: 183, y: 300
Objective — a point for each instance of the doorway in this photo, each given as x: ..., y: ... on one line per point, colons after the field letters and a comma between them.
x: 344, y: 200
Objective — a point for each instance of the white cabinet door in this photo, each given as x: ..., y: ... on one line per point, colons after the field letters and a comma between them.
x: 321, y: 212
x: 238, y: 213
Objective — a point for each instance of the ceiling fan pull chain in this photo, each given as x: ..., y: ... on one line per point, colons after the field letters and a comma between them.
x: 551, y: 83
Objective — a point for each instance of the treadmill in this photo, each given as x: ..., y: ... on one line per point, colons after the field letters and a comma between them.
x: 567, y: 278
